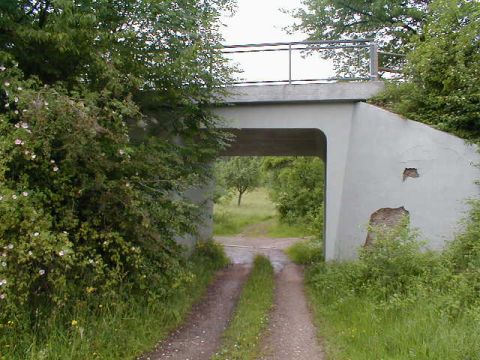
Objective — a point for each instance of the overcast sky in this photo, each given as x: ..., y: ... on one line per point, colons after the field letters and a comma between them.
x: 259, y: 21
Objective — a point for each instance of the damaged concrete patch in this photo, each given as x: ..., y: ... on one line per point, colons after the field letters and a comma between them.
x: 385, y: 217
x: 410, y: 172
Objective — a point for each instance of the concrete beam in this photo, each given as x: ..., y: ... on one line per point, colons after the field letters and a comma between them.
x: 303, y: 93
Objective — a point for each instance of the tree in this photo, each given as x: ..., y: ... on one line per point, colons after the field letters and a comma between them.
x: 442, y: 72
x: 82, y: 204
x: 297, y: 188
x: 239, y: 174
x: 392, y: 23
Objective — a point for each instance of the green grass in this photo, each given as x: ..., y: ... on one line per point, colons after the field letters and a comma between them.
x: 242, y: 337
x: 121, y: 330
x: 356, y: 328
x: 306, y: 252
x: 256, y: 216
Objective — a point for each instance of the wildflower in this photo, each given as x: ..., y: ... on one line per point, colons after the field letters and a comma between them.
x: 36, y: 234
x: 14, y: 197
x: 46, y: 103
x: 16, y: 99
x: 55, y: 168
x: 1, y: 198
x: 74, y: 322
x: 25, y: 193
x: 3, y: 68
x: 121, y: 152
x: 2, y: 296
x: 34, y: 156
x: 10, y: 246
x: 19, y: 142
x: 41, y: 272
x: 127, y: 184
x: 19, y: 88
x: 3, y: 282
x: 16, y: 112
x: 7, y: 105
x: 17, y: 125
x: 4, y: 264
x: 61, y: 253
x: 30, y: 253
x: 24, y: 125
x: 6, y: 83
x: 90, y: 289
x: 52, y: 161
x: 90, y: 261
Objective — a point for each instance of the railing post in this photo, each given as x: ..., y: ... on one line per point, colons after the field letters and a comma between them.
x: 373, y: 61
x: 289, y: 64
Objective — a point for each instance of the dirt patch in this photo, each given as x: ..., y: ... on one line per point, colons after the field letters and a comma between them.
x: 201, y: 335
x: 387, y: 218
x: 291, y: 335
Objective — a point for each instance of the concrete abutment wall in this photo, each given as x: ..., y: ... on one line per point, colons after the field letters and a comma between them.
x: 374, y: 159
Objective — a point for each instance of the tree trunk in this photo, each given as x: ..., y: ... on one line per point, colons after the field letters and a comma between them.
x: 239, y: 198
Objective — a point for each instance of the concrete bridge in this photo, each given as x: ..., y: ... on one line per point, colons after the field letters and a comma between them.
x: 377, y: 163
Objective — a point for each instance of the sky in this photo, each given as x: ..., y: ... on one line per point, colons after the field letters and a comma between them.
x: 259, y: 21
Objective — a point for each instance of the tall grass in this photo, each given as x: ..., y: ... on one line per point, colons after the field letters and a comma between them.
x: 256, y: 216
x: 397, y: 302
x: 120, y: 330
x: 242, y: 337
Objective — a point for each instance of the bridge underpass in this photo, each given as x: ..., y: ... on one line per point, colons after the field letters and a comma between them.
x: 376, y: 162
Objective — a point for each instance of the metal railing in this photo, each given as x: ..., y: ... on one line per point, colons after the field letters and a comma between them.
x: 311, y: 46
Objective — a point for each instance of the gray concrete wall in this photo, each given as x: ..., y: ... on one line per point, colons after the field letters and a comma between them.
x: 367, y: 150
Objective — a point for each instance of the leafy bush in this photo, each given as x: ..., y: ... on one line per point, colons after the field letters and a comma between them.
x: 306, y: 252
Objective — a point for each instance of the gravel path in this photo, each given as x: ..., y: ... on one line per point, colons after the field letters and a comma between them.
x: 201, y: 334
x: 291, y: 333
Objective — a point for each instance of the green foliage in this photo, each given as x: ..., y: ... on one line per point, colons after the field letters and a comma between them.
x: 401, y: 302
x: 391, y: 22
x: 87, y: 213
x: 242, y: 337
x: 111, y: 327
x: 238, y: 174
x: 297, y: 188
x: 306, y: 252
x: 443, y: 75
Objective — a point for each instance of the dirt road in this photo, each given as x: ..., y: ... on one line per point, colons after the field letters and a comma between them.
x: 291, y: 333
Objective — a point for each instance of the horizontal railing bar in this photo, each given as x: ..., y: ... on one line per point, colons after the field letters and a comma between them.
x: 301, y: 80
x: 391, y: 54
x: 297, y: 48
x: 390, y: 70
x: 320, y: 42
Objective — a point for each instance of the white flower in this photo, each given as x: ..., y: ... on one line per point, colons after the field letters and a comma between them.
x: 2, y: 296
x: 46, y: 103
x: 90, y: 261
x: 17, y: 125
x: 4, y: 264
x: 61, y: 253
x: 19, y: 88
x: 52, y: 161
x: 1, y: 198
x: 30, y: 253
x: 3, y: 68
x: 16, y: 112
x: 55, y: 168
x: 24, y: 125
x: 14, y: 197
x: 25, y: 193
x: 127, y: 184
x: 7, y: 105
x: 27, y: 152
x: 35, y: 234
x: 15, y: 99
x: 34, y: 156
x: 10, y: 246
x: 19, y: 142
x: 41, y: 272
x: 121, y: 152
x: 3, y: 282
x: 6, y: 83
